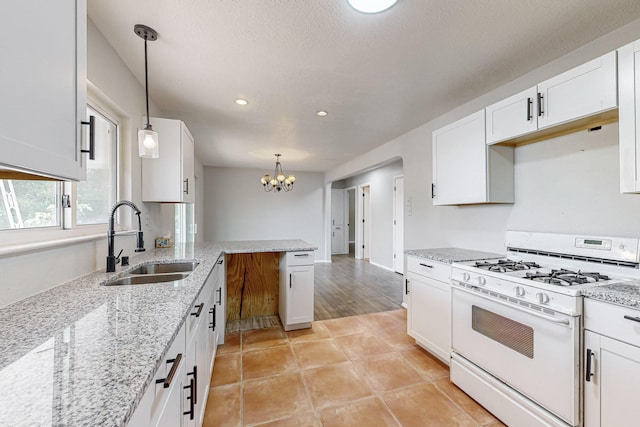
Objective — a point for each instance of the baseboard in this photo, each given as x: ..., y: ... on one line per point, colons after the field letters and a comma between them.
x: 381, y: 266
x: 404, y: 305
x: 322, y: 260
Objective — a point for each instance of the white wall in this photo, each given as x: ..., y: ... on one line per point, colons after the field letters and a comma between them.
x: 381, y: 184
x: 237, y: 208
x: 25, y: 274
x: 567, y: 184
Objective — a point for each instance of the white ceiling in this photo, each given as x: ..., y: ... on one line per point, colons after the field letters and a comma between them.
x: 378, y: 76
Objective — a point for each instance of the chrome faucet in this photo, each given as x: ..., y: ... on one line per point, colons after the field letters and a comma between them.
x: 112, y: 260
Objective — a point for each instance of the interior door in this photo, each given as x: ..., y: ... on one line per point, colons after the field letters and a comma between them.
x: 338, y: 225
x: 398, y: 224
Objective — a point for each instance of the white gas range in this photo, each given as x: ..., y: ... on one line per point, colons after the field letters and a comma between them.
x: 516, y: 322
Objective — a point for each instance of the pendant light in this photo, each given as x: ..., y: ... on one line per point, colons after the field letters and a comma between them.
x: 278, y: 182
x: 147, y: 137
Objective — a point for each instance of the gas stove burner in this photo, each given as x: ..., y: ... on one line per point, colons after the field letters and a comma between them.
x: 504, y: 266
x: 564, y: 277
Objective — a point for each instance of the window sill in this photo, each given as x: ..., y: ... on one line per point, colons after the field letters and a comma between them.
x: 19, y: 248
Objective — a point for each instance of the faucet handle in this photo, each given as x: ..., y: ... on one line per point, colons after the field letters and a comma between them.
x: 118, y: 256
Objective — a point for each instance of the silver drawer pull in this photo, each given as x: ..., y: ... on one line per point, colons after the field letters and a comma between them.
x: 634, y: 319
x: 426, y: 265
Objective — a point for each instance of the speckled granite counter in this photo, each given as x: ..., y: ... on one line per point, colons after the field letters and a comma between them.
x: 451, y: 255
x: 624, y: 293
x: 82, y: 354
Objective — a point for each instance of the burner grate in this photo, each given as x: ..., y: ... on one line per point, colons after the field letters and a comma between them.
x: 504, y: 266
x: 563, y: 277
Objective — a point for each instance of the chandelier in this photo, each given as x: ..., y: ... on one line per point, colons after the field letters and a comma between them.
x: 278, y: 182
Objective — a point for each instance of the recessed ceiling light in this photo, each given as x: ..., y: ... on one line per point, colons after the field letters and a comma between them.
x: 241, y: 101
x: 371, y: 6
x: 321, y: 113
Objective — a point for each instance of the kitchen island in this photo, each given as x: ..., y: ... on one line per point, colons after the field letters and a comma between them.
x: 84, y: 354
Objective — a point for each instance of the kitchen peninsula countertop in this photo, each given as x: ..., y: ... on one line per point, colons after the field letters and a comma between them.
x: 625, y: 293
x: 451, y: 255
x: 83, y: 354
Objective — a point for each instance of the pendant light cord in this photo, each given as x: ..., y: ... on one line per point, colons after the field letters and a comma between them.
x: 146, y: 81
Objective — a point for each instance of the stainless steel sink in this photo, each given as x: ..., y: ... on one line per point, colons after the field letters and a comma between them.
x: 176, y: 267
x: 146, y: 278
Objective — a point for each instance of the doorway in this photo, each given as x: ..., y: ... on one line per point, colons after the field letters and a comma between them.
x: 351, y: 221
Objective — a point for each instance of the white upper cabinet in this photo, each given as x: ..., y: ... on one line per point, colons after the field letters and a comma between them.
x: 581, y: 92
x: 170, y: 178
x: 43, y: 87
x: 512, y: 117
x: 629, y: 127
x: 465, y: 169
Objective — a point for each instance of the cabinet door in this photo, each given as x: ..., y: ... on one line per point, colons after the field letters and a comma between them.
x: 629, y: 122
x: 611, y: 394
x: 43, y: 86
x: 188, y: 174
x: 170, y: 177
x: 299, y: 294
x: 512, y: 117
x: 430, y: 314
x: 460, y: 162
x: 579, y: 92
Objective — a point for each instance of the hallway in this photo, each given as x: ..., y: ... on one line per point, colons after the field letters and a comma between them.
x: 350, y: 287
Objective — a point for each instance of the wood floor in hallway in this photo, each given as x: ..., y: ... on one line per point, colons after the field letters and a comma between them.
x: 350, y: 287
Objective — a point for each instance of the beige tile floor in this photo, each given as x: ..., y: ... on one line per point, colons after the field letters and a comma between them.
x: 354, y: 371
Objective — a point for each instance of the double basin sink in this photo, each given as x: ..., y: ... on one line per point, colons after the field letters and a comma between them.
x: 155, y: 273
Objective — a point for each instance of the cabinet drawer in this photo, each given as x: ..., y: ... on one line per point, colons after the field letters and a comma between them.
x: 609, y: 320
x: 299, y: 258
x: 428, y: 268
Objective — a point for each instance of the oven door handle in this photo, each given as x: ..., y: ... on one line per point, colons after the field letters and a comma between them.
x: 533, y: 313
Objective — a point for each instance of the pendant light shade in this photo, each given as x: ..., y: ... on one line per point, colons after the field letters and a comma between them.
x: 147, y: 137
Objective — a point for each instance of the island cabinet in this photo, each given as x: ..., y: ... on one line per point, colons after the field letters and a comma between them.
x: 611, y: 364
x: 465, y: 169
x: 171, y: 177
x: 629, y: 112
x: 43, y: 85
x: 428, y: 291
x: 581, y: 92
x: 296, y: 290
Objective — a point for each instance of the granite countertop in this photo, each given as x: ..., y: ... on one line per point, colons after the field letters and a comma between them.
x: 83, y: 354
x: 626, y: 293
x: 451, y: 255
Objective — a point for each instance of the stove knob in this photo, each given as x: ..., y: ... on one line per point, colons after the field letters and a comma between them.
x: 482, y: 281
x: 519, y: 290
x: 542, y: 298
x: 466, y: 277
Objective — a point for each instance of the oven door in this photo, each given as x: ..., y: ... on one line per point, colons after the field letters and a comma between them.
x: 535, y: 353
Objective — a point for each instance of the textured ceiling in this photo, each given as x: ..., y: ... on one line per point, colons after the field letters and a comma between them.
x: 378, y: 76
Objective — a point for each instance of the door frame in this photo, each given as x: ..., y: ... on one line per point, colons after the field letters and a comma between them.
x: 355, y: 217
x: 359, y: 219
x: 398, y: 262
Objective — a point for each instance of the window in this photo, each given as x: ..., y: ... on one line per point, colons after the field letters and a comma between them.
x: 33, y: 204
x: 29, y: 204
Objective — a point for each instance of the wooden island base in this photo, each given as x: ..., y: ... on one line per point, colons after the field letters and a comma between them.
x: 252, y: 284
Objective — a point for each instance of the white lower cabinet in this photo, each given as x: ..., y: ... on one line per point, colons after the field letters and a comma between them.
x: 177, y: 396
x: 612, y: 365
x: 161, y: 404
x: 429, y: 305
x: 296, y: 290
